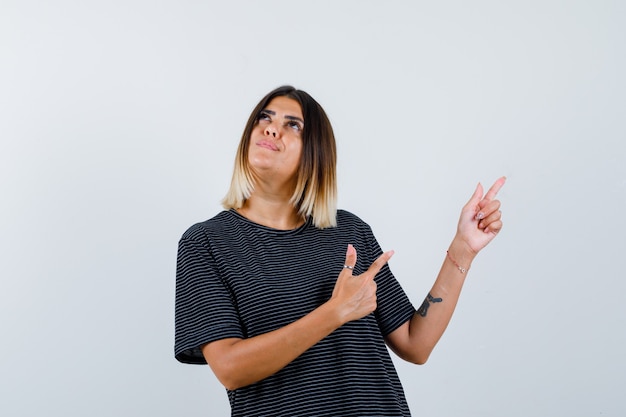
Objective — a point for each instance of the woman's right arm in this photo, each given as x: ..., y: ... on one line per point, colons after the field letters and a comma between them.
x: 240, y: 362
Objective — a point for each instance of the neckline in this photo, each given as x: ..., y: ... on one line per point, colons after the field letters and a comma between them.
x: 246, y: 220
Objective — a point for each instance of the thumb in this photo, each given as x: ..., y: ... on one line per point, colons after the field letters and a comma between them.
x: 351, y: 256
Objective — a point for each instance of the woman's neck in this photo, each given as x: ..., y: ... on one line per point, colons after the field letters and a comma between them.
x: 277, y: 213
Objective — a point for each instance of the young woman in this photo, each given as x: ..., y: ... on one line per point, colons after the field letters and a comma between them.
x: 289, y: 300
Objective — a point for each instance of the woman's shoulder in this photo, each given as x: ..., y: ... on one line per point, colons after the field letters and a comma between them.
x: 345, y: 217
x: 215, y: 224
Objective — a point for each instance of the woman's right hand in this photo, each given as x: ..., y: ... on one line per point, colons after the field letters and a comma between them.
x: 355, y: 296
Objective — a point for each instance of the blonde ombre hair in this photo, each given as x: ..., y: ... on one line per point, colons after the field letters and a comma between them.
x: 315, y: 193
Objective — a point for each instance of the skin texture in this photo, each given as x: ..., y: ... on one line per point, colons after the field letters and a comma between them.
x: 274, y: 156
x: 276, y: 142
x: 276, y: 145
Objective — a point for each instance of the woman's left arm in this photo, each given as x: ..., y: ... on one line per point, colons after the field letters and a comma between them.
x: 479, y: 223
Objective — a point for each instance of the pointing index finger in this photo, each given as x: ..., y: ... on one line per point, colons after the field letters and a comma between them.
x: 379, y: 263
x: 494, y: 189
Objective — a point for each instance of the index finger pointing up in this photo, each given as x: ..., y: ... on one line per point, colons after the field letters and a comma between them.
x: 494, y: 189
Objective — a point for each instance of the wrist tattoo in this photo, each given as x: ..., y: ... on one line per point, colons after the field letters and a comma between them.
x: 423, y: 310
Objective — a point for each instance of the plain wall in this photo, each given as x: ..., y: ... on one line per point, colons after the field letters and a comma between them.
x: 119, y: 122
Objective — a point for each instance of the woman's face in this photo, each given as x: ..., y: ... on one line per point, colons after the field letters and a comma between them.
x: 276, y: 141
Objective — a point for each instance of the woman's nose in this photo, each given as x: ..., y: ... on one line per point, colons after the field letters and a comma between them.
x: 271, y: 130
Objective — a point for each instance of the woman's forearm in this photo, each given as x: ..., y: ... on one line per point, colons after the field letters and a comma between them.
x: 416, y: 339
x: 241, y: 362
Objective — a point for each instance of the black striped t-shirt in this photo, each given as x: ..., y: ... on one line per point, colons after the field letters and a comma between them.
x: 236, y: 278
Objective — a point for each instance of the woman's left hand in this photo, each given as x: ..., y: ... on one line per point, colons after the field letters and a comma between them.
x: 481, y: 218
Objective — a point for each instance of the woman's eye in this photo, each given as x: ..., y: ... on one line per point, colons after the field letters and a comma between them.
x: 263, y: 116
x: 294, y: 125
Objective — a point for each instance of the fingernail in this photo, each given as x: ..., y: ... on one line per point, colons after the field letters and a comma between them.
x: 480, y: 215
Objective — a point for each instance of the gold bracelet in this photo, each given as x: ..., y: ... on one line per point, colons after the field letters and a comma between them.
x: 463, y: 270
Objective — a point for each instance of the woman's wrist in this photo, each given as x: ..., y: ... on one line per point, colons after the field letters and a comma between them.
x: 460, y: 254
x: 334, y: 313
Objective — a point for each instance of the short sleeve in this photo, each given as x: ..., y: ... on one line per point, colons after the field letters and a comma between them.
x: 204, y: 309
x: 393, y: 305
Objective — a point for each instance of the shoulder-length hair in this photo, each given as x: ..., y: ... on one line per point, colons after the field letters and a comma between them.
x: 315, y: 193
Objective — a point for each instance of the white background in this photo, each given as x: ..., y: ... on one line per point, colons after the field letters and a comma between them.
x: 119, y: 122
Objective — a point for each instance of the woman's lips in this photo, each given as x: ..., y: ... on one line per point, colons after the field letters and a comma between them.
x: 267, y: 144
